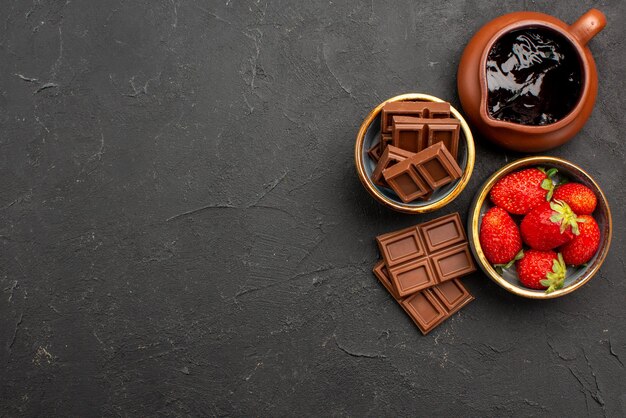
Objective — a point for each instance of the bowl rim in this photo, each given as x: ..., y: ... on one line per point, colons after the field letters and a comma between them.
x: 399, y: 206
x: 474, y: 217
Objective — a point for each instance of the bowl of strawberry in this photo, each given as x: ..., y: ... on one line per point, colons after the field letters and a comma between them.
x: 540, y: 227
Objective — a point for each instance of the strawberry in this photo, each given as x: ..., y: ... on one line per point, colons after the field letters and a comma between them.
x: 518, y: 193
x: 579, y: 197
x: 549, y: 225
x: 541, y: 270
x: 499, y: 236
x: 584, y: 246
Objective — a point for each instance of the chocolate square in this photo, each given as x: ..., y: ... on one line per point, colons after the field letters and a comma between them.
x: 412, y: 276
x: 409, y: 136
x: 406, y: 181
x: 453, y: 263
x: 389, y: 157
x: 400, y: 246
x: 425, y: 310
x: 446, y: 131
x: 436, y: 165
x: 443, y: 232
x: 450, y: 293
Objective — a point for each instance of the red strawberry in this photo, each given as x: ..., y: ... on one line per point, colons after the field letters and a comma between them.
x: 524, y: 190
x: 541, y: 270
x: 579, y: 197
x: 499, y: 236
x: 549, y: 225
x: 584, y: 246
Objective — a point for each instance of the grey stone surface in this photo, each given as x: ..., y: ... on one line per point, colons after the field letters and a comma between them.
x: 182, y: 231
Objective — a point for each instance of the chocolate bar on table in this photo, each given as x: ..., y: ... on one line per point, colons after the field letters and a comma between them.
x: 415, y: 109
x: 430, y: 307
x: 415, y: 134
x: 426, y: 255
x: 423, y: 172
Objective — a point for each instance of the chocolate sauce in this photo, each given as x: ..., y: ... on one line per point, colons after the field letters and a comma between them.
x: 534, y: 77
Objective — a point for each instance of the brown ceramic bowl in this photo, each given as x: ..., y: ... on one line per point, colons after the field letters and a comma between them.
x: 472, y: 80
x: 576, y: 276
x: 369, y: 134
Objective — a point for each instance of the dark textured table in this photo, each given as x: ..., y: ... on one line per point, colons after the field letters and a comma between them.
x: 183, y: 232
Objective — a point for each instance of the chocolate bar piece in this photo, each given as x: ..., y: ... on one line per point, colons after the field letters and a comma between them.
x: 425, y: 255
x: 447, y: 131
x: 453, y: 262
x: 381, y: 272
x: 385, y: 139
x: 425, y: 171
x: 416, y: 109
x: 439, y: 112
x: 389, y: 157
x: 406, y: 182
x: 436, y: 165
x: 430, y: 307
x: 395, y: 120
x: 415, y: 134
x: 410, y: 136
x: 374, y: 152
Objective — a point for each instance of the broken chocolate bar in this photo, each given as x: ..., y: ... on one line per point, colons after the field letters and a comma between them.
x: 389, y: 157
x: 416, y: 109
x: 385, y: 139
x: 374, y: 152
x: 446, y: 131
x: 436, y: 165
x: 425, y: 255
x: 430, y: 307
x: 406, y: 182
x: 423, y: 172
x: 416, y: 134
x: 409, y: 135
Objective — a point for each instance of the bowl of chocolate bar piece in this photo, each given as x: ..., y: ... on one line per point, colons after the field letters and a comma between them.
x: 414, y: 153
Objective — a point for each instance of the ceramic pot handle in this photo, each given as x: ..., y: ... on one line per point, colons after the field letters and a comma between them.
x: 588, y: 25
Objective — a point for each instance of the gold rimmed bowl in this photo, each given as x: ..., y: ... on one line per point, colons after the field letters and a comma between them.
x: 369, y: 134
x: 576, y: 276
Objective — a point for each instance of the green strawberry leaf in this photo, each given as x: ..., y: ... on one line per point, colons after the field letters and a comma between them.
x: 551, y: 172
x: 517, y: 257
x: 548, y: 183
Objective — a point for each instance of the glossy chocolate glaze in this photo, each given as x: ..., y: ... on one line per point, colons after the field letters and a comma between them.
x: 534, y: 77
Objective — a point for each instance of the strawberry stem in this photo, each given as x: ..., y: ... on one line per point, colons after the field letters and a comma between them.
x: 556, y: 278
x: 548, y: 183
x: 517, y: 257
x: 565, y: 216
